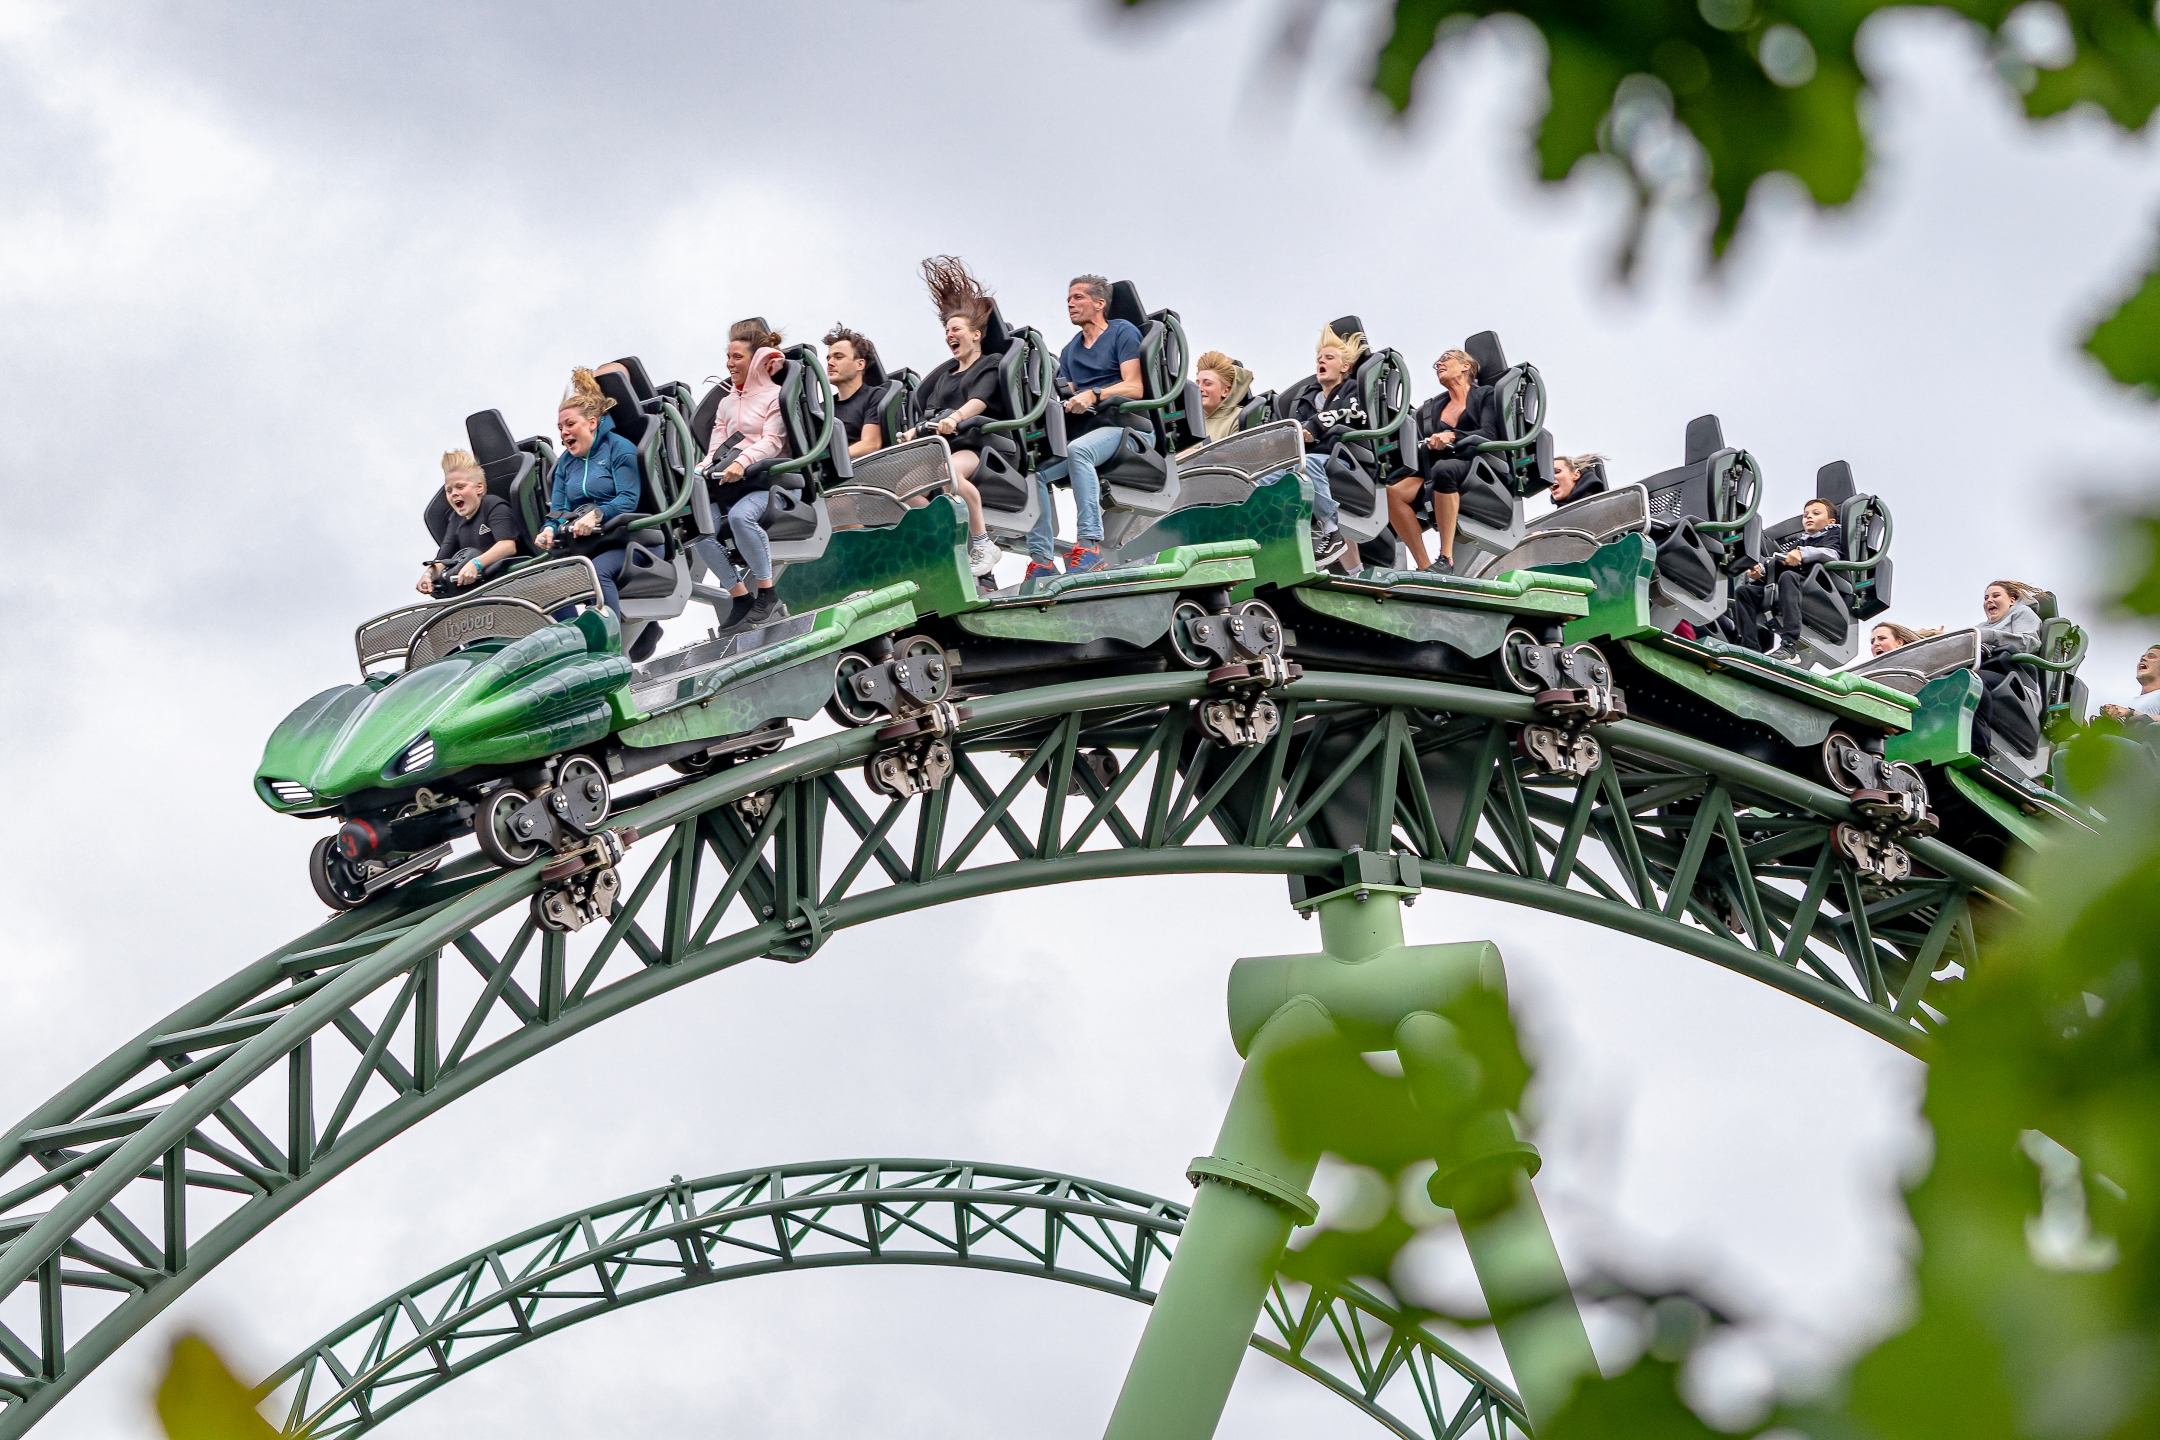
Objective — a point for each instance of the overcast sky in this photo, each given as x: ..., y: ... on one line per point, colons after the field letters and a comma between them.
x: 258, y: 262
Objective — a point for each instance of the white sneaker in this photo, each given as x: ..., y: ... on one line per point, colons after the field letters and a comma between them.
x: 982, y: 554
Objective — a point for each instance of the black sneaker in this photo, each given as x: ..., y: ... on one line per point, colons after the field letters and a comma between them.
x: 734, y: 618
x: 1786, y: 651
x: 648, y: 640
x: 1441, y: 565
x: 765, y: 611
x: 1328, y: 548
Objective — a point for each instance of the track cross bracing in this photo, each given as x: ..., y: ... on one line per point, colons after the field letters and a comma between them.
x: 795, y: 1218
x: 139, y: 1177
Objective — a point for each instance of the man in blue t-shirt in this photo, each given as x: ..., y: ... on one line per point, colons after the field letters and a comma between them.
x: 1101, y: 363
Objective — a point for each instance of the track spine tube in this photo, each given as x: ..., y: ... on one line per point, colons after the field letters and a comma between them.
x: 1196, y: 1334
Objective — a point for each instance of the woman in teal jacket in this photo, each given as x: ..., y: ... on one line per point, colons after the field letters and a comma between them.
x: 598, y: 469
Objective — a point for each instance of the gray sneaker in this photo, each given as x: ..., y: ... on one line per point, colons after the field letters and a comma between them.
x: 1785, y: 650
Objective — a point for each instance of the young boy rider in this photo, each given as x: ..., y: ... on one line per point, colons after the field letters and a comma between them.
x: 481, y: 522
x: 1821, y: 538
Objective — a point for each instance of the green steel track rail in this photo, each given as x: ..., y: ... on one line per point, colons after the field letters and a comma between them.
x: 784, y: 1219
x: 123, y: 1189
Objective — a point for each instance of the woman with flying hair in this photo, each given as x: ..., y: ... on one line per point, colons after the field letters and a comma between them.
x: 964, y: 388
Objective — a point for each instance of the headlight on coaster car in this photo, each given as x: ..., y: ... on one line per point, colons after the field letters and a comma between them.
x: 290, y: 792
x: 415, y: 757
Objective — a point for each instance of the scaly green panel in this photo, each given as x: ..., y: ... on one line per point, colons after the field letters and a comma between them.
x: 1942, y: 725
x: 928, y: 546
x: 789, y: 679
x: 2001, y: 811
x: 1134, y: 619
x: 1184, y: 567
x: 1278, y: 516
x: 1799, y: 723
x: 1854, y: 696
x: 795, y: 693
x: 1519, y: 592
x: 1474, y: 632
x: 1619, y: 576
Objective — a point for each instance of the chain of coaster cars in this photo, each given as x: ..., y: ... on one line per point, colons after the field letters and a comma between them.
x: 512, y: 711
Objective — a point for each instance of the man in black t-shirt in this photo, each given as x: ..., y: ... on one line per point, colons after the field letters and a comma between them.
x: 847, y: 356
x: 479, y: 522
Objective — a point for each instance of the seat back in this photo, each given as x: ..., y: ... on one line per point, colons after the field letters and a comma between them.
x: 643, y: 432
x: 1523, y: 448
x: 641, y: 384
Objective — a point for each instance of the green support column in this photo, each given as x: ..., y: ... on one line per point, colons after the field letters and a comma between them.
x: 1251, y: 1191
x: 1371, y: 989
x: 1485, y: 1179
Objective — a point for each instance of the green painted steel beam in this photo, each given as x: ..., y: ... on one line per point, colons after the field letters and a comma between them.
x: 696, y: 915
x: 784, y: 1219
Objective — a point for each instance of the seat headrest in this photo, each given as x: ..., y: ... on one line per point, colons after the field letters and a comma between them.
x: 490, y: 437
x: 873, y: 374
x: 630, y: 421
x: 1347, y: 325
x: 1484, y: 347
x: 997, y: 339
x: 2043, y: 605
x: 1705, y: 437
x: 1834, y: 483
x: 640, y: 382
x: 1125, y: 304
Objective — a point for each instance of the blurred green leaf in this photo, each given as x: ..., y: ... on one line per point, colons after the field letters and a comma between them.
x: 199, y: 1399
x: 1641, y: 1404
x: 1763, y: 86
x: 2128, y: 342
x: 2141, y: 595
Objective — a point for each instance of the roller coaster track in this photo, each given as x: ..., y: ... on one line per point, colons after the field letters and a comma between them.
x: 794, y: 1218
x: 123, y: 1189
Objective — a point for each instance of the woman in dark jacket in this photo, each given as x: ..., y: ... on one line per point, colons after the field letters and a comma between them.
x: 961, y: 389
x: 595, y: 480
x: 1449, y: 427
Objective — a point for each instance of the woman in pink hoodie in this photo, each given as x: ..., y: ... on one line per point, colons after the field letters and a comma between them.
x: 748, y: 426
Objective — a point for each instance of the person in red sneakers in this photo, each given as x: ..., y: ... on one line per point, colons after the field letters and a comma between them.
x: 1101, y: 363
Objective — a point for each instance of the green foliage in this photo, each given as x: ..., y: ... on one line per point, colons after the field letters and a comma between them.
x: 1642, y: 1404
x: 1773, y: 86
x: 200, y: 1400
x: 2128, y: 342
x: 1326, y: 1097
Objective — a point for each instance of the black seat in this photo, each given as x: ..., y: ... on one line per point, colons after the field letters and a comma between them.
x: 640, y: 383
x: 1012, y: 450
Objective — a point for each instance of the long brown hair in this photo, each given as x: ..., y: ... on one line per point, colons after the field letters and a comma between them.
x: 954, y: 290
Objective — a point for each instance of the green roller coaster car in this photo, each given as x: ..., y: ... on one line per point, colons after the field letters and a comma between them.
x: 513, y: 724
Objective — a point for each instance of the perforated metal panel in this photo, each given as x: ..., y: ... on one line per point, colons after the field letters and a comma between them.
x: 1911, y: 666
x: 548, y: 587
x: 904, y: 470
x: 474, y: 620
x: 871, y: 509
x: 1668, y: 504
x: 1262, y: 450
x: 1602, y: 517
